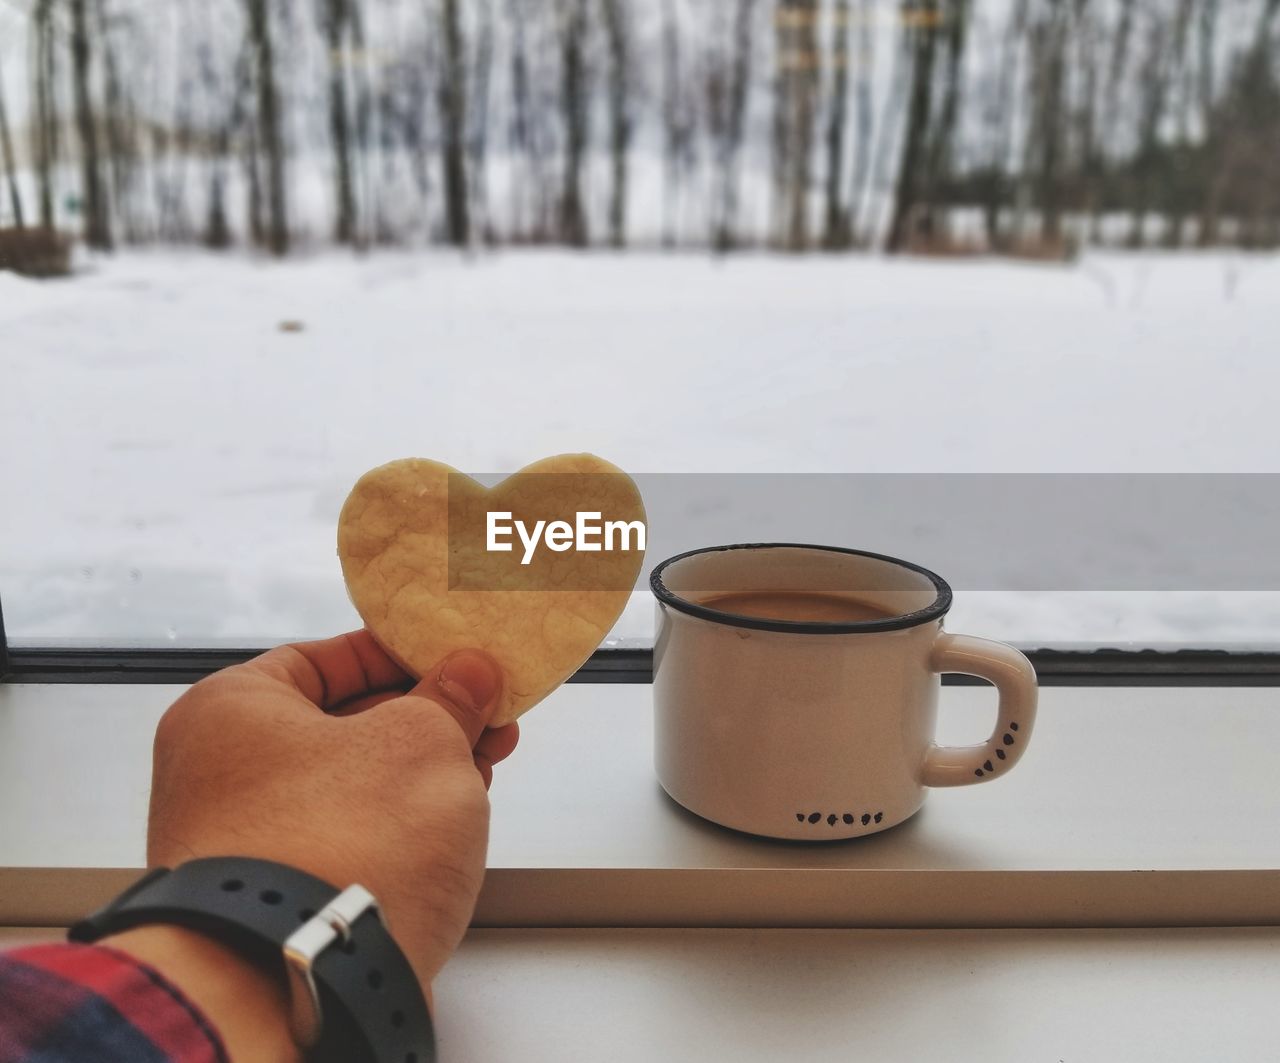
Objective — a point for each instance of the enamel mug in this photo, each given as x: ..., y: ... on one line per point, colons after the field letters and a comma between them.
x: 817, y: 730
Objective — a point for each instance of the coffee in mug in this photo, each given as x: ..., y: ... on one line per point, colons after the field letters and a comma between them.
x: 794, y: 605
x: 796, y: 689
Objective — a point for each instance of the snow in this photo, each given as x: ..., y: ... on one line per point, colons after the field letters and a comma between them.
x: 173, y: 461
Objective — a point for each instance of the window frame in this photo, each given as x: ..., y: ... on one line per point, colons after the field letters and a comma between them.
x: 631, y: 661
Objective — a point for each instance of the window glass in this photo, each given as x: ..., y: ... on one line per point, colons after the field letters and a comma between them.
x: 250, y: 249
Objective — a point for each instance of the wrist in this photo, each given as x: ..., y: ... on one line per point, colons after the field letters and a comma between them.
x: 347, y: 991
x: 245, y: 1001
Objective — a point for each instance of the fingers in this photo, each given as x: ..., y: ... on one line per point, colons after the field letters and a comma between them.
x: 498, y: 743
x: 332, y: 671
x: 467, y: 686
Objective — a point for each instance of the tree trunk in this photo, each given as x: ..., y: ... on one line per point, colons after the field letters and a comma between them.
x: 1111, y: 110
x: 573, y: 222
x: 269, y: 137
x: 10, y: 165
x: 218, y: 232
x: 478, y: 139
x: 836, y: 224
x: 1175, y: 198
x: 797, y: 62
x: 170, y: 161
x: 367, y: 113
x: 672, y: 135
x: 1049, y: 60
x: 887, y: 148
x: 1206, y: 46
x: 616, y: 31
x: 336, y: 19
x: 863, y: 122
x: 735, y: 111
x: 45, y: 127
x: 997, y: 182
x: 253, y: 181
x: 119, y: 128
x: 1154, y: 81
x: 920, y: 20
x: 1259, y: 189
x: 97, y: 226
x: 453, y: 119
x: 527, y: 192
x: 937, y: 167
x: 1086, y: 50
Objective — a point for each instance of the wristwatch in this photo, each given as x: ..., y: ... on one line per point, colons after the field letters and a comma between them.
x: 353, y: 996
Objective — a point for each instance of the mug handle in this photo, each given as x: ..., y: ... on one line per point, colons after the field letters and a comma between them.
x: 1015, y: 680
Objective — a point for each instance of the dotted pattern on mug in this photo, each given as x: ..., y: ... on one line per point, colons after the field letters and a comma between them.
x: 1008, y: 739
x: 833, y: 818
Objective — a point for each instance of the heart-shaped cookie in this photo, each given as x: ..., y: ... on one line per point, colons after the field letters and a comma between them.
x: 415, y: 540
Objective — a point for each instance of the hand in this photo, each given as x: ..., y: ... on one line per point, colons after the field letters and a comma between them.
x: 325, y: 756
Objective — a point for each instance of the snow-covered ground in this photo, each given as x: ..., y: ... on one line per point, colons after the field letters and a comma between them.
x: 172, y: 461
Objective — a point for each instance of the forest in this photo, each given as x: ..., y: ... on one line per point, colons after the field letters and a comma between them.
x: 1022, y: 127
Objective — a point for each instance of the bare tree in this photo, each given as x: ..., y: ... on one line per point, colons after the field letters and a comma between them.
x: 97, y: 226
x: 617, y: 34
x: 452, y: 97
x: 1238, y: 125
x: 267, y: 135
x: 336, y: 18
x: 863, y: 121
x: 1111, y: 111
x: 10, y: 165
x: 1045, y: 138
x: 674, y: 126
x: 1256, y: 113
x: 836, y: 224
x: 1207, y: 46
x: 1180, y: 91
x: 120, y: 128
x: 573, y: 29
x: 1087, y: 45
x: 728, y: 119
x: 1151, y: 77
x: 170, y: 160
x: 224, y: 117
x: 478, y: 139
x: 368, y: 115
x: 526, y: 136
x: 798, y: 66
x: 920, y: 21
x: 400, y: 106
x: 942, y: 147
x: 1001, y: 117
x: 888, y: 139
x: 45, y: 127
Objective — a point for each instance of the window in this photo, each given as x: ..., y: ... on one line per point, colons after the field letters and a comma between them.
x: 701, y: 237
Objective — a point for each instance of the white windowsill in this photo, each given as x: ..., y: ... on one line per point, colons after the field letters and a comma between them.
x: 1176, y: 784
x: 1173, y: 782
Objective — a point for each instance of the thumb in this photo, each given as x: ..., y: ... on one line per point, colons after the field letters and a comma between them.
x: 467, y: 685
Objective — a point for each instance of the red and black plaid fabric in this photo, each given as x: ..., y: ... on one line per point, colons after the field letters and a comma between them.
x: 80, y: 1003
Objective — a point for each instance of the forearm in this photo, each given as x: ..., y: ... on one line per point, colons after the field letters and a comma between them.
x: 247, y: 1004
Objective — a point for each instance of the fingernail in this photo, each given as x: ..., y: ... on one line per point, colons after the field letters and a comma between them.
x: 470, y: 679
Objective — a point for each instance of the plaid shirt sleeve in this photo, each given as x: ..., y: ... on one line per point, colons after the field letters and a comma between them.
x: 76, y: 1003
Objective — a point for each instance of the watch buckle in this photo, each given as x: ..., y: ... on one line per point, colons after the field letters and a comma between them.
x: 329, y: 926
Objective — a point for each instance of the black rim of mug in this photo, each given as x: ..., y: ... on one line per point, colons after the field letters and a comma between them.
x: 935, y: 610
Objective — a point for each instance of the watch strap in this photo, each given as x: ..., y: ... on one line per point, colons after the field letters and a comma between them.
x: 371, y: 1005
